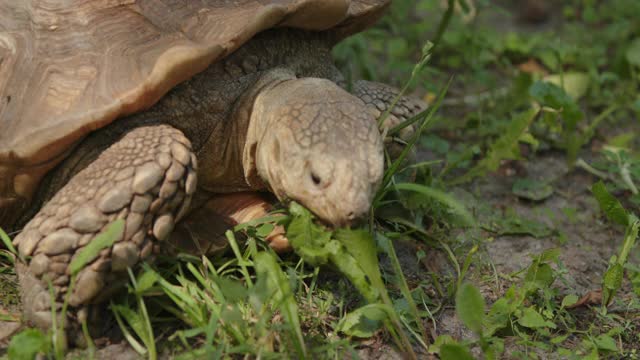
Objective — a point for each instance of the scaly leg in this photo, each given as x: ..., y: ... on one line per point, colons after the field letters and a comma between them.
x: 146, y: 178
x: 379, y: 97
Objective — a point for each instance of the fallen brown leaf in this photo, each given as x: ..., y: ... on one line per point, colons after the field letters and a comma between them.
x: 593, y: 297
x: 532, y: 66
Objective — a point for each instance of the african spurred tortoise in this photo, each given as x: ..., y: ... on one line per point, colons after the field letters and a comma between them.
x: 141, y: 109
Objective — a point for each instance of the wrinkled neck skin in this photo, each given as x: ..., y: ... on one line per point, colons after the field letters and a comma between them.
x: 258, y: 126
x: 222, y: 167
x: 310, y: 141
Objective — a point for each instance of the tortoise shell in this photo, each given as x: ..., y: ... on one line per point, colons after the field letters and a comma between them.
x: 70, y: 67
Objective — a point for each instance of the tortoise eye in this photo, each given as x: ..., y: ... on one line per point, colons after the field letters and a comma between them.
x: 315, y: 179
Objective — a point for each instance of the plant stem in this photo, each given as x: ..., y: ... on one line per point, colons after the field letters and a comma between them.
x: 444, y: 22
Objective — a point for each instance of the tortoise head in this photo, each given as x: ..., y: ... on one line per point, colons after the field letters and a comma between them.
x: 313, y: 142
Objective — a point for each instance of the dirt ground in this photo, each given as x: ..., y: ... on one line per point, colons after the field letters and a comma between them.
x: 589, y: 243
x: 573, y: 223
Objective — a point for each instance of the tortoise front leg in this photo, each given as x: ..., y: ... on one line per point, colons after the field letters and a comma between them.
x: 146, y: 178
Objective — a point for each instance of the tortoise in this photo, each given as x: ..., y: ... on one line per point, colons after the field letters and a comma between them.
x: 168, y: 112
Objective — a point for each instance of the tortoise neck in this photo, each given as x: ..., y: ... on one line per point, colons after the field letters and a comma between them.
x: 250, y: 109
x: 226, y: 157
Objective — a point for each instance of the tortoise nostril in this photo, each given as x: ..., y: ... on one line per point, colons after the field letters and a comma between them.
x: 316, y: 179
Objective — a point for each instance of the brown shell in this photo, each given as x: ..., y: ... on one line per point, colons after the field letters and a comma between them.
x: 69, y: 67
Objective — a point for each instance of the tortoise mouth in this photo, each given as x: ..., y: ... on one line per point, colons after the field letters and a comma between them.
x: 333, y: 221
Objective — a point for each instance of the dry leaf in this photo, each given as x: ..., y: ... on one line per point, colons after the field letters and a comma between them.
x: 532, y: 66
x: 593, y: 297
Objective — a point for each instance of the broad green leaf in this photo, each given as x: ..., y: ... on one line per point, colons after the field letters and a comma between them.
x: 532, y: 319
x: 276, y: 219
x: 623, y: 140
x: 27, y: 344
x: 470, y: 307
x: 264, y: 230
x: 455, y: 352
x: 352, y: 252
x: 498, y: 316
x: 633, y: 53
x: 361, y: 246
x: 569, y: 300
x: 146, y: 280
x: 350, y: 267
x: 495, y: 349
x: 635, y: 282
x: 611, y: 282
x: 307, y: 239
x: 630, y: 237
x: 606, y: 342
x: 551, y: 96
x: 531, y: 189
x: 439, y: 342
x: 365, y: 321
x: 513, y: 224
x: 575, y: 84
x: 549, y: 255
x: 609, y: 204
x: 103, y: 240
x: 540, y: 276
x: 548, y: 94
x: 559, y: 339
x: 593, y: 355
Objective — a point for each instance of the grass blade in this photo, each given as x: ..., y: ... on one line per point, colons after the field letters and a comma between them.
x: 105, y: 239
x: 7, y: 242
